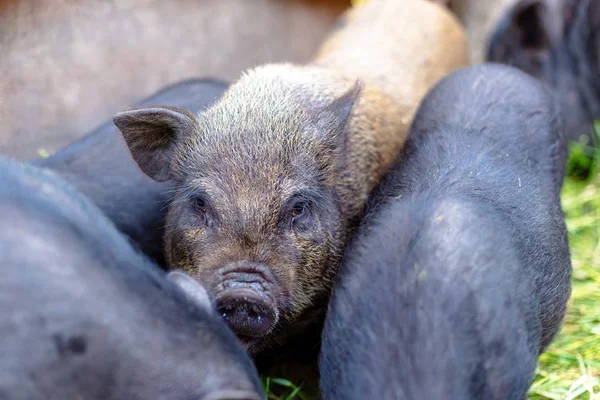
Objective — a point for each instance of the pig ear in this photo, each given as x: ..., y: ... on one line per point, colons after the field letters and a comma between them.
x: 150, y: 134
x: 193, y: 289
x: 530, y: 28
x: 331, y: 119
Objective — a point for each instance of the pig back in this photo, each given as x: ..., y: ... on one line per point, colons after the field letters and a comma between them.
x: 398, y: 50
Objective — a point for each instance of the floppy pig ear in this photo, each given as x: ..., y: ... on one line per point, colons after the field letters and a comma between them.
x: 150, y: 134
x: 530, y: 28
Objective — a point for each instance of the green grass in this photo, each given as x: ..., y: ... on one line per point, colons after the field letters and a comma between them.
x: 570, y: 369
x: 292, y: 392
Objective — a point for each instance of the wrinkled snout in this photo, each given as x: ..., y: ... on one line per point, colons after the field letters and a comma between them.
x: 245, y: 298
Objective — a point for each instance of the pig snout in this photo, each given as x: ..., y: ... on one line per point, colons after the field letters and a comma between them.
x: 247, y: 313
x: 245, y: 299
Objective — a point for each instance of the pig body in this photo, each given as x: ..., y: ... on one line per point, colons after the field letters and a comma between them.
x: 421, y: 309
x: 84, y: 315
x: 556, y: 42
x: 271, y: 177
x: 100, y: 166
x: 459, y: 277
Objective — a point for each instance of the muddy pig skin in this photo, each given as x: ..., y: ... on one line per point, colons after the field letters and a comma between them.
x: 85, y: 316
x: 100, y: 166
x: 558, y: 42
x: 67, y: 66
x: 270, y: 178
x: 460, y: 273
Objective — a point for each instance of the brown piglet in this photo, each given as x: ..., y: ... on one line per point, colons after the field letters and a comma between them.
x: 270, y: 179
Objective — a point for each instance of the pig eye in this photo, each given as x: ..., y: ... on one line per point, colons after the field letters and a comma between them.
x: 298, y: 209
x: 199, y: 204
